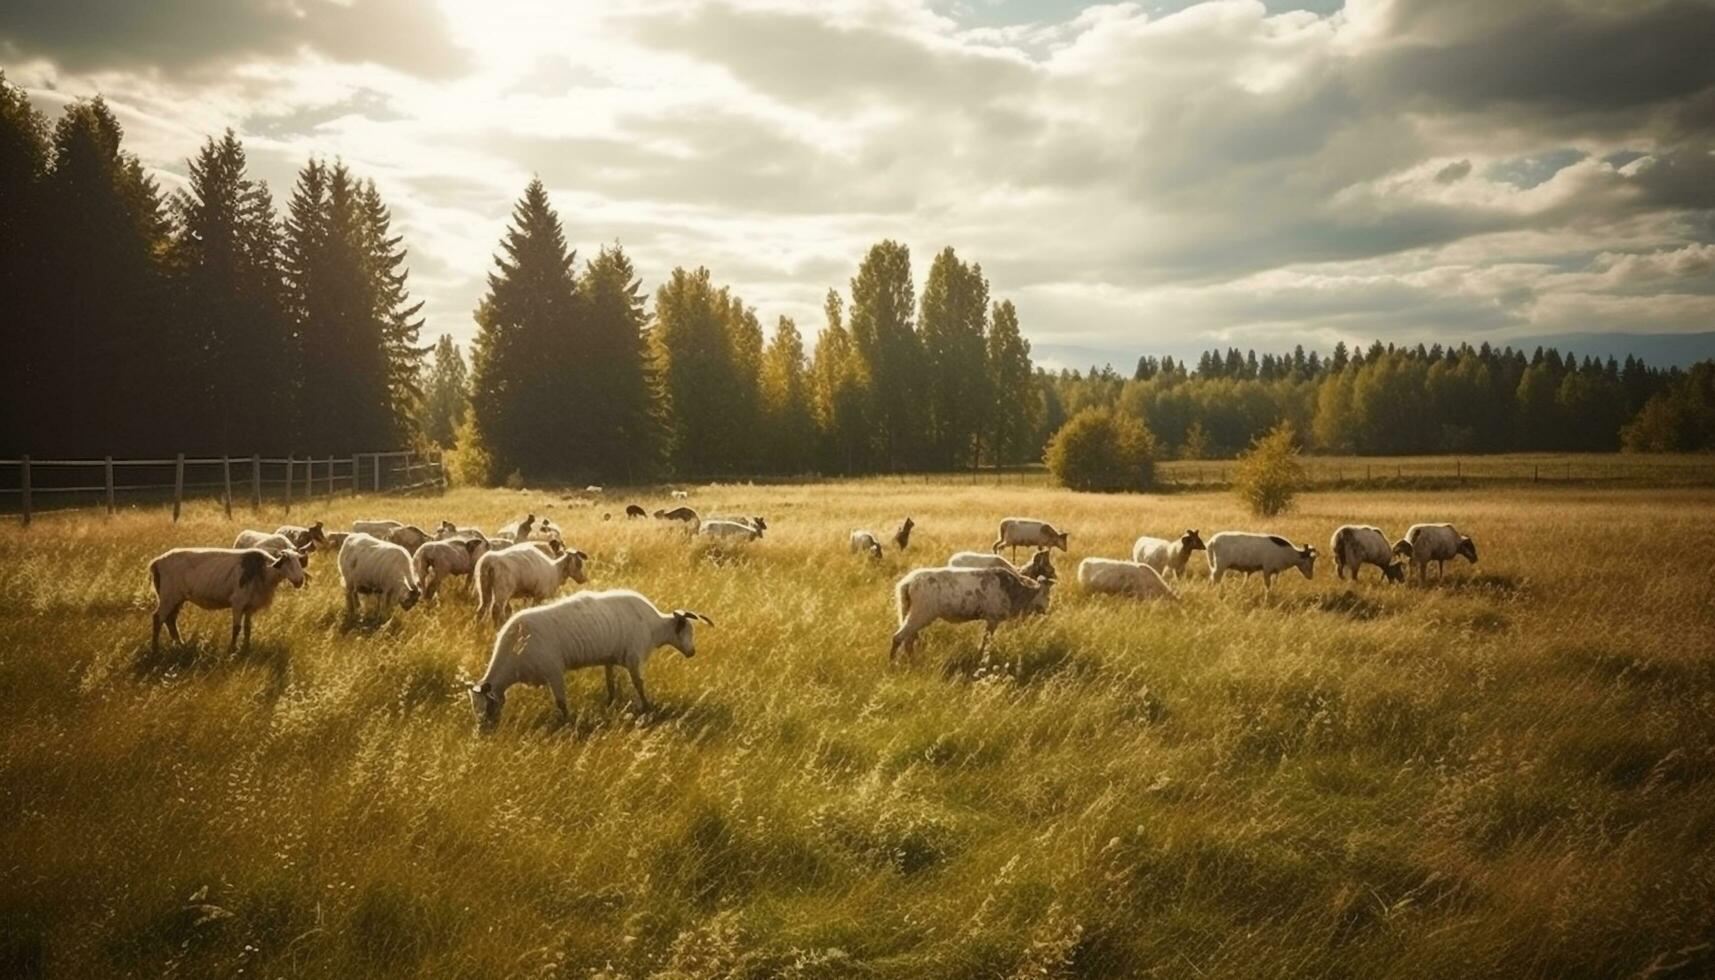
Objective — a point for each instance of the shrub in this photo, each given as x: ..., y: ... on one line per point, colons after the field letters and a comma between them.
x: 1103, y: 450
x: 1269, y: 474
x: 468, y: 463
x: 1196, y: 443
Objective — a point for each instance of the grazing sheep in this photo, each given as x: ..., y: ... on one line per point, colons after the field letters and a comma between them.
x: 518, y: 530
x: 680, y: 495
x: 371, y: 566
x: 1017, y: 532
x: 437, y: 561
x: 593, y: 490
x: 1438, y: 543
x: 902, y: 537
x: 1270, y: 554
x: 302, y: 537
x: 552, y: 547
x: 978, y: 559
x: 634, y: 511
x: 1115, y: 577
x: 448, y: 530
x: 964, y: 595
x: 730, y: 529
x: 684, y: 514
x: 410, y: 537
x: 240, y: 579
x: 545, y: 530
x: 1356, y: 545
x: 272, y: 543
x: 522, y: 571
x: 865, y: 541
x: 378, y: 529
x: 619, y: 628
x: 336, y: 539
x: 1167, y: 556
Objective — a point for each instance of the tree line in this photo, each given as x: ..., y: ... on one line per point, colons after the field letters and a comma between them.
x: 203, y: 321
x: 1389, y: 400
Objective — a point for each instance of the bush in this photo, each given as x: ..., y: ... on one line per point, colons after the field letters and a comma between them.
x: 468, y: 463
x: 1103, y: 450
x: 1269, y: 474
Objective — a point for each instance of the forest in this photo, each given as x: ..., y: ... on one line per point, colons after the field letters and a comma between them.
x: 211, y: 321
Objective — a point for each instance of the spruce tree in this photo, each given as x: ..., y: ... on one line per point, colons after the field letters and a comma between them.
x: 396, y: 315
x: 24, y: 159
x: 618, y: 411
x: 446, y: 394
x: 518, y: 393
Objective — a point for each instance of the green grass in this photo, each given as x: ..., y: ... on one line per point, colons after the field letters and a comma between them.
x: 1508, y: 773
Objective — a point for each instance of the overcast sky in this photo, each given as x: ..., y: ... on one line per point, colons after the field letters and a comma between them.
x: 1137, y: 177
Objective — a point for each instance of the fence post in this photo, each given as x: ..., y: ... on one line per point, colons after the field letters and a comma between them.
x: 107, y: 468
x: 25, y: 485
x: 309, y: 477
x: 330, y: 476
x: 291, y: 471
x: 354, y: 472
x: 256, y: 482
x: 178, y: 485
x: 226, y: 477
x: 375, y: 460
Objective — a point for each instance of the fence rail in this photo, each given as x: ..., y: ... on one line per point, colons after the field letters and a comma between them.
x: 261, y: 477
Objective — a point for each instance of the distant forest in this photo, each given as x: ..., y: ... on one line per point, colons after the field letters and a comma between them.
x: 208, y: 321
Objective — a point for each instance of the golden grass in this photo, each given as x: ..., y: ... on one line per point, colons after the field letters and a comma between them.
x: 1508, y: 773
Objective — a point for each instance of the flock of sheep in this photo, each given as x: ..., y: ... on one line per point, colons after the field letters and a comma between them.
x: 400, y: 564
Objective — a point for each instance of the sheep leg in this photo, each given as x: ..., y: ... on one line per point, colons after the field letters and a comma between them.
x: 612, y: 683
x: 247, y: 618
x: 173, y: 624
x: 988, y: 634
x: 350, y: 602
x: 237, y: 624
x: 637, y: 681
x: 557, y: 686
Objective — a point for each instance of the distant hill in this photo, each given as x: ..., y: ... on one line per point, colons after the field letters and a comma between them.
x: 1657, y: 349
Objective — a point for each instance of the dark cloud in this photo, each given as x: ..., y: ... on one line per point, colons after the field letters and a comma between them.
x: 1453, y: 172
x: 190, y: 36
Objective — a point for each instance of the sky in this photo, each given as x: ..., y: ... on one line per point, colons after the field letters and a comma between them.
x: 1137, y: 177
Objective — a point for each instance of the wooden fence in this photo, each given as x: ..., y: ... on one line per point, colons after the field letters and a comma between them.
x: 70, y: 483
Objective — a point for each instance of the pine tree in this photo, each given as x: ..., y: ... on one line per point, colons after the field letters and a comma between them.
x: 229, y: 304
x: 396, y: 314
x: 617, y: 383
x: 446, y: 394
x: 516, y: 397
x: 882, y: 332
x: 1015, y: 401
x: 953, y: 327
x: 24, y: 159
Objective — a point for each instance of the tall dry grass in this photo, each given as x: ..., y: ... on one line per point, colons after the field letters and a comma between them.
x: 1508, y: 773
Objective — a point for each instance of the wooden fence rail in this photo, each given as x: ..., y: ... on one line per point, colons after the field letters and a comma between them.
x: 398, y: 471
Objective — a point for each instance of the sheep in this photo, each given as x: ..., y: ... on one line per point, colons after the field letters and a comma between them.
x: 902, y: 537
x: 1438, y: 543
x: 545, y: 530
x: 865, y: 541
x: 336, y: 539
x: 617, y: 628
x: 1167, y: 556
x: 274, y: 544
x: 1356, y: 545
x: 410, y: 537
x: 448, y: 530
x: 370, y: 566
x: 593, y: 490
x: 680, y: 495
x: 633, y: 511
x: 978, y: 559
x: 302, y: 537
x: 1016, y: 532
x: 518, y: 530
x: 683, y: 514
x: 1116, y: 577
x: 379, y: 528
x: 240, y: 579
x: 1270, y: 554
x: 436, y: 561
x: 963, y: 595
x: 552, y: 547
x: 729, y: 529
x: 522, y: 571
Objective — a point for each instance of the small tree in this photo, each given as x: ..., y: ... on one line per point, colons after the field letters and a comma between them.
x: 1269, y: 474
x: 1196, y: 443
x: 1100, y: 449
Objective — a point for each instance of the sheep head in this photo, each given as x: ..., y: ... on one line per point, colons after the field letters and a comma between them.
x: 1468, y: 549
x: 684, y: 634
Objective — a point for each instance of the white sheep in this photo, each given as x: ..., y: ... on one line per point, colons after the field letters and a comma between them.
x: 978, y: 559
x: 618, y: 628
x: 865, y: 541
x: 449, y: 530
x: 1438, y: 543
x: 964, y: 595
x: 274, y: 544
x: 371, y: 566
x: 240, y: 579
x: 1167, y: 557
x: 522, y: 571
x: 1356, y: 545
x: 680, y: 495
x: 1270, y: 554
x: 519, y: 529
x: 302, y: 537
x: 1113, y: 576
x: 436, y: 561
x: 376, y: 528
x: 1017, y: 532
x: 729, y: 529
x: 410, y: 537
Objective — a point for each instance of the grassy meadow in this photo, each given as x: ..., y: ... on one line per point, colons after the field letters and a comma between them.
x: 1508, y: 773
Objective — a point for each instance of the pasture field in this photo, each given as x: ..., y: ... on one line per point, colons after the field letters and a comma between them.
x: 1508, y: 773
